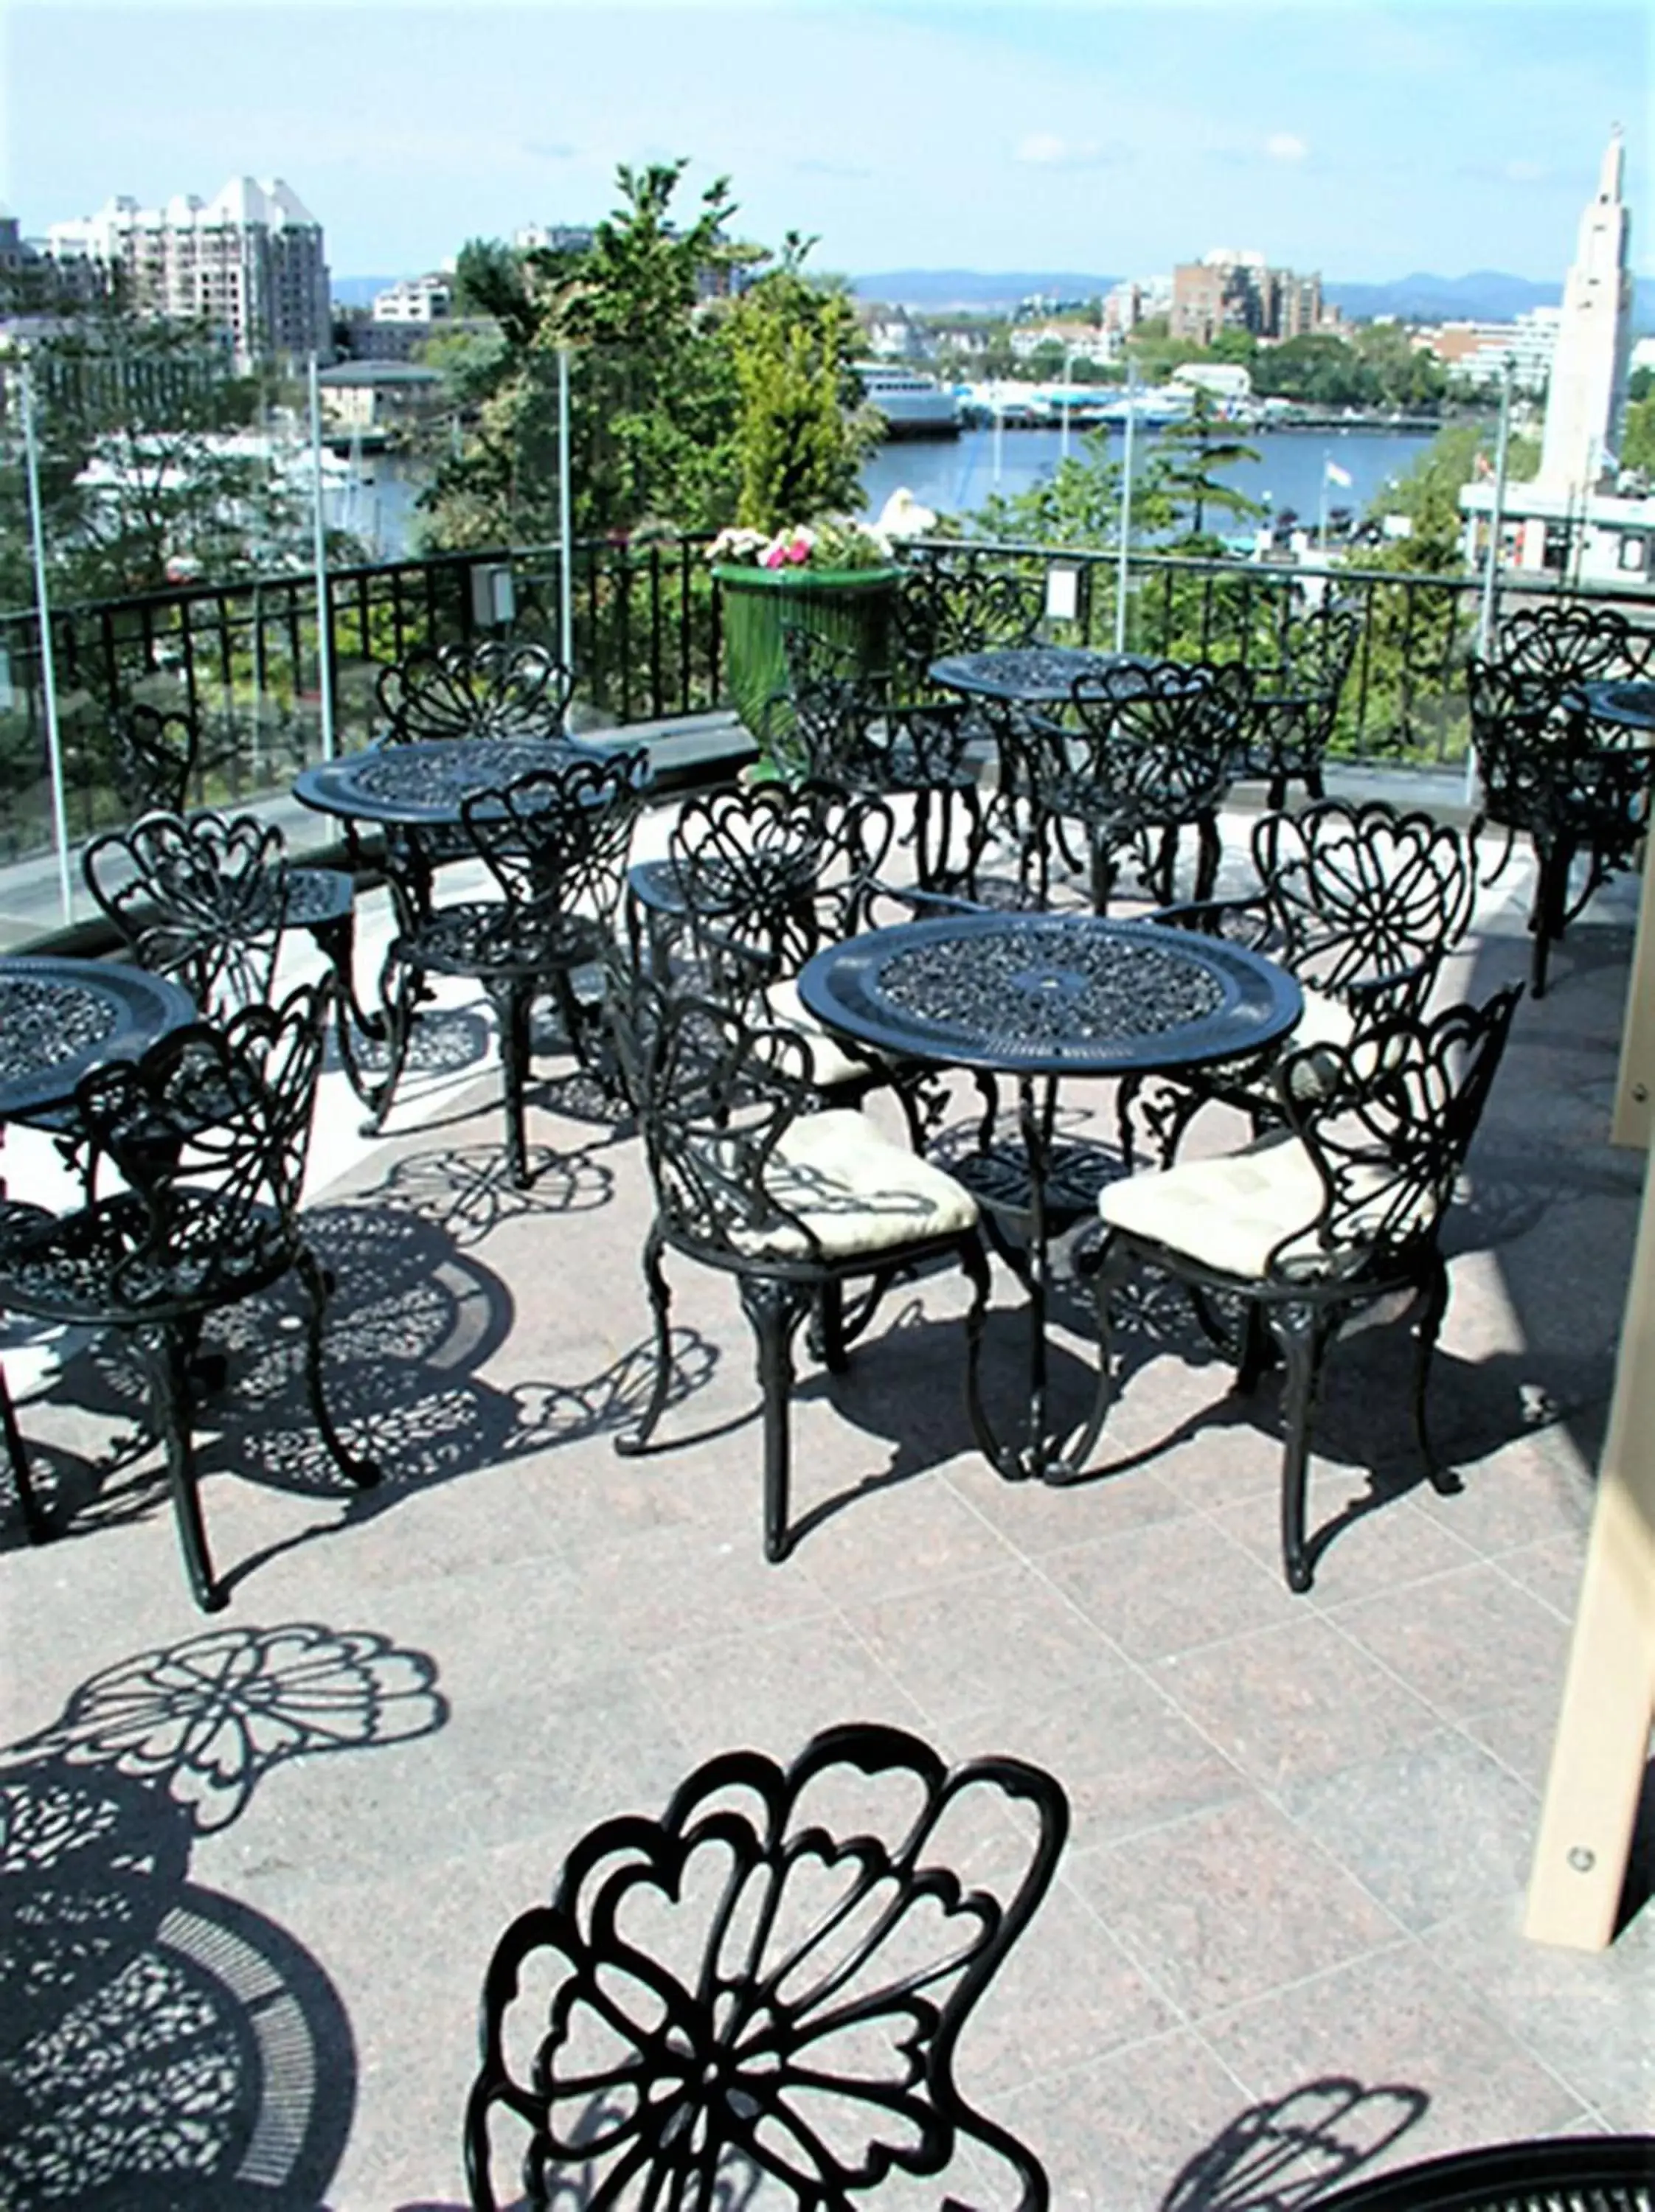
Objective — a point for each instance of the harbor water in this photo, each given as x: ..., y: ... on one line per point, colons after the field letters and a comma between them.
x: 955, y: 475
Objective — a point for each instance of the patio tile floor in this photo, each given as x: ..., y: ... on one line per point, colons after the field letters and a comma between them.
x: 1301, y: 1824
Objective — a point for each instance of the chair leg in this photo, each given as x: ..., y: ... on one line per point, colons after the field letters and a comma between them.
x: 400, y: 989
x: 1209, y: 851
x: 1434, y: 1305
x: 512, y: 1006
x: 1255, y: 1352
x: 831, y: 1327
x: 168, y: 1360
x: 318, y: 1285
x: 35, y: 1526
x: 775, y: 1310
x: 1302, y: 1334
x: 660, y: 1300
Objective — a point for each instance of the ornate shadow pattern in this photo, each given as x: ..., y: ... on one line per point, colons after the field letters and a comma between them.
x: 765, y: 1984
x: 162, y: 2045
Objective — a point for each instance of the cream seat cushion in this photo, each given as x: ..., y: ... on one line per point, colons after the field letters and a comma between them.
x: 1231, y: 1212
x: 855, y: 1192
x: 831, y: 1064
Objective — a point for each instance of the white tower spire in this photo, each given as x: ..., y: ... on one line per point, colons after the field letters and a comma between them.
x: 1589, y: 369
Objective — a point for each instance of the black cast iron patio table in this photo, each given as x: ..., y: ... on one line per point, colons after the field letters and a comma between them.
x: 60, y: 1019
x: 1628, y: 706
x: 1027, y: 674
x: 1038, y: 997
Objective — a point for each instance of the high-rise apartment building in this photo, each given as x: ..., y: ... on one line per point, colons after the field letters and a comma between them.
x: 250, y: 261
x: 1587, y: 391
x: 1230, y: 290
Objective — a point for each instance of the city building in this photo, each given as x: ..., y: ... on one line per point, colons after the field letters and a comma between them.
x: 1476, y: 353
x: 1574, y: 519
x: 376, y: 395
x: 416, y: 300
x: 1231, y: 289
x: 1079, y: 341
x: 250, y: 261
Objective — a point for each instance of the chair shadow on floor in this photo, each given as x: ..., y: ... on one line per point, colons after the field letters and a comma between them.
x: 415, y: 1319
x: 164, y: 2048
x: 1281, y: 2156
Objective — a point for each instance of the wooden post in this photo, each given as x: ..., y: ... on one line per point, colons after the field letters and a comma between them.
x: 1634, y: 1087
x: 1609, y: 1695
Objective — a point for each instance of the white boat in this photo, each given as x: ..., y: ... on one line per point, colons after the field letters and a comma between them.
x: 914, y: 404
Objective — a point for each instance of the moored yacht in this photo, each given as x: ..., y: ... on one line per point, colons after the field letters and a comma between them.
x: 914, y: 404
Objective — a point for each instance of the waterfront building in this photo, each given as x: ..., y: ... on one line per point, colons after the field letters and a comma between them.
x: 1476, y: 353
x: 250, y: 261
x: 416, y: 300
x: 1574, y: 518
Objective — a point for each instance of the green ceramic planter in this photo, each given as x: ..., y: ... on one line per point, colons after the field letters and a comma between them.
x: 760, y: 607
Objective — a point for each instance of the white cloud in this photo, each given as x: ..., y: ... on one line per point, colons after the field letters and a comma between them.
x: 1045, y: 149
x: 1282, y: 146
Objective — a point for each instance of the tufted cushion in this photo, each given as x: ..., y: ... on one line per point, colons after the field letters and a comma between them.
x: 856, y: 1191
x: 1232, y: 1212
x: 831, y: 1064
x: 1228, y: 1214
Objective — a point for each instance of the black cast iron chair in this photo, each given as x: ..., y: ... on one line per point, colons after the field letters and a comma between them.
x: 204, y: 898
x: 944, y: 606
x: 19, y: 1220
x: 1318, y: 1219
x: 1584, y: 2172
x: 1361, y: 901
x: 1566, y: 643
x: 854, y: 729
x: 207, y: 1134
x: 1148, y: 751
x: 758, y: 1994
x: 753, y: 1177
x: 1546, y: 773
x: 555, y: 842
x: 1295, y: 702
x: 155, y: 754
x: 758, y: 880
x: 485, y: 688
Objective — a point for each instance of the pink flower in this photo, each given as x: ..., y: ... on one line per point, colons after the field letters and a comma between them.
x: 772, y: 557
x: 798, y: 552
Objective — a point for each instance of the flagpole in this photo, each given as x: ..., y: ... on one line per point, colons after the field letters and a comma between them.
x: 1124, y: 572
x: 1322, y: 512
x: 1491, y: 565
x: 566, y: 547
x: 48, y: 673
x: 318, y: 549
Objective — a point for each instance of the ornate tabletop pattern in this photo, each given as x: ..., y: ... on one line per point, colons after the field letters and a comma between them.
x: 1034, y: 675
x: 427, y: 782
x: 59, y: 1018
x: 1041, y: 994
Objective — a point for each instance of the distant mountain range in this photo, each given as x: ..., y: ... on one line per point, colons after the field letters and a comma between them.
x: 1483, y: 295
x: 1486, y: 296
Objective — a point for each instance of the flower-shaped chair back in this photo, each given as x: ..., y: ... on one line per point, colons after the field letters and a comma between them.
x: 834, y: 702
x: 486, y: 688
x: 1314, y: 653
x: 202, y: 898
x: 154, y: 756
x: 208, y: 1131
x: 1388, y: 1121
x: 1541, y: 767
x: 944, y: 608
x: 1364, y: 895
x: 816, y: 861
x: 716, y: 1093
x: 761, y: 1991
x: 1158, y: 742
x: 1556, y: 645
x: 557, y: 841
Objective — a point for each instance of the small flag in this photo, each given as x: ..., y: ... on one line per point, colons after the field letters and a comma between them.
x: 1336, y: 475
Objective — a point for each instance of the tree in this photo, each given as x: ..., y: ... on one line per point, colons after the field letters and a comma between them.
x: 653, y: 394
x: 142, y: 480
x: 802, y: 433
x: 1183, y: 472
x: 1638, y: 435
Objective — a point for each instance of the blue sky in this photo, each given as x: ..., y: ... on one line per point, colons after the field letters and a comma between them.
x: 1365, y: 141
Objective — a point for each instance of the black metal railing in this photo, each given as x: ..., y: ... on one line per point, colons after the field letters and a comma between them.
x: 243, y: 659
